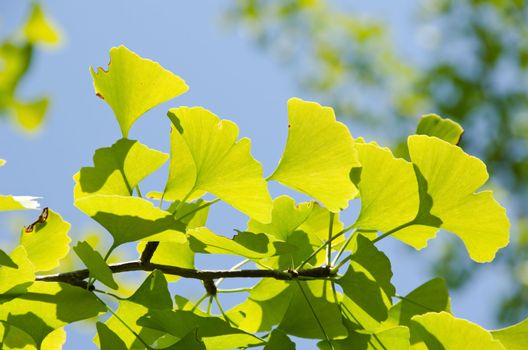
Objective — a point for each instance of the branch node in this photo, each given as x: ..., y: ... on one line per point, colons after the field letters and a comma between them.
x: 210, y: 287
x: 148, y: 252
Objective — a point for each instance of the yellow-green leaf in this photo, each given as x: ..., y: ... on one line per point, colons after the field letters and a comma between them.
x: 206, y: 157
x: 95, y: 264
x: 39, y: 29
x: 118, y: 169
x: 18, y: 202
x: 388, y: 188
x: 30, y: 115
x: 133, y: 85
x: 319, y: 155
x: 15, y: 280
x: 445, y: 129
x: 444, y: 331
x: 130, y: 219
x: 48, y: 242
x: 514, y: 337
x: 452, y: 178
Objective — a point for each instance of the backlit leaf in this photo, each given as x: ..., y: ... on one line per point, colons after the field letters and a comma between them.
x: 395, y: 338
x: 118, y: 169
x: 39, y: 29
x: 18, y: 202
x: 452, y: 178
x: 445, y: 129
x: 388, y: 187
x: 278, y: 340
x: 5, y: 260
x: 444, y: 331
x: 48, y: 243
x: 47, y: 306
x: 108, y: 339
x: 14, y: 281
x: 95, y: 264
x: 319, y: 155
x: 206, y: 157
x: 30, y: 115
x: 133, y: 85
x: 130, y: 219
x: 514, y: 337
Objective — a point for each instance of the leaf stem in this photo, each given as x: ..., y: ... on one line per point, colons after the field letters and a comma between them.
x: 208, y: 204
x: 342, y: 250
x: 390, y: 232
x: 138, y: 191
x: 229, y: 322
x: 329, y: 245
x: 210, y: 304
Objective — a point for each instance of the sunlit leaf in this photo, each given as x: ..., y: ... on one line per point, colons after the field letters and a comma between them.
x: 39, y: 29
x: 452, y: 178
x: 47, y: 306
x: 118, y: 169
x: 206, y: 157
x: 514, y: 337
x: 130, y: 219
x: 16, y: 280
x: 367, y: 286
x: 48, y: 242
x: 153, y: 294
x: 171, y: 253
x: 15, y: 63
x: 319, y: 155
x: 445, y: 129
x: 214, y: 331
x: 388, y: 188
x: 95, y: 264
x: 430, y: 296
x: 444, y: 331
x: 133, y: 85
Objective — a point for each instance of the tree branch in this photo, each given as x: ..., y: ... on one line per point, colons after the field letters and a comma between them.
x: 77, y: 277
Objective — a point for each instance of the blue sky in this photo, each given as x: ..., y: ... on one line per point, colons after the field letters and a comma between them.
x: 226, y: 74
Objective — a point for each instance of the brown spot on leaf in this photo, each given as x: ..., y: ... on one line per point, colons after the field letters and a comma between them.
x: 99, y: 95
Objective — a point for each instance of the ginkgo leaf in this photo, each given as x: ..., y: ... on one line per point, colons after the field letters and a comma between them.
x: 395, y: 338
x: 39, y: 29
x: 303, y: 227
x: 47, y: 306
x: 246, y: 244
x: 388, y: 188
x: 15, y: 280
x: 108, y: 339
x: 130, y: 219
x: 48, y: 242
x: 278, y: 340
x: 444, y: 331
x: 133, y: 85
x: 153, y: 294
x: 445, y: 129
x: 452, y: 178
x: 30, y: 115
x: 13, y: 338
x: 5, y: 260
x: 514, y: 337
x: 118, y: 169
x: 430, y: 296
x: 367, y: 286
x: 206, y: 157
x: 214, y: 331
x: 18, y: 202
x: 319, y: 155
x: 95, y: 264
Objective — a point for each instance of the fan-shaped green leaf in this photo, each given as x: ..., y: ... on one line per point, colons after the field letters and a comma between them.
x: 514, y: 337
x: 95, y: 264
x: 133, y: 85
x: 319, y: 155
x: 443, y: 331
x: 48, y: 242
x: 47, y: 306
x: 30, y: 115
x: 131, y: 219
x: 108, y: 339
x: 153, y: 294
x: 278, y: 340
x: 14, y: 281
x: 430, y: 296
x: 367, y: 286
x: 452, y: 178
x: 395, y: 338
x: 206, y: 157
x: 14, y: 338
x: 445, y: 129
x: 388, y: 188
x: 303, y: 227
x: 118, y: 169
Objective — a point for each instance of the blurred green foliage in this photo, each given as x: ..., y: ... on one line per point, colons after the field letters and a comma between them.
x: 16, y: 56
x: 474, y: 70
